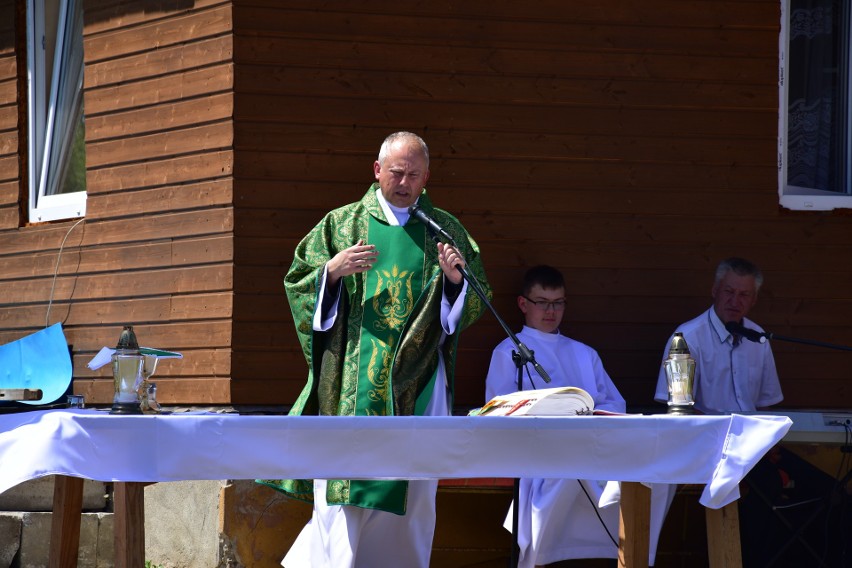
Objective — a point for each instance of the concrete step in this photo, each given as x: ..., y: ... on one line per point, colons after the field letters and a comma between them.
x: 37, y: 495
x: 25, y: 540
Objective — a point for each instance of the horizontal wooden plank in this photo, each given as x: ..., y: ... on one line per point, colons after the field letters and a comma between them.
x: 105, y: 15
x: 195, y: 363
x: 503, y: 116
x: 158, y: 309
x: 9, y: 168
x: 679, y: 255
x: 285, y: 365
x: 285, y: 138
x: 119, y: 284
x: 8, y: 64
x: 8, y: 91
x: 163, y: 117
x: 502, y: 41
x: 265, y: 280
x: 831, y: 394
x: 144, y: 229
x: 265, y: 392
x: 9, y: 192
x: 168, y: 61
x: 199, y: 391
x: 406, y: 23
x: 176, y: 29
x: 180, y: 224
x: 10, y: 217
x: 152, y: 254
x: 8, y: 130
x: 160, y: 89
x: 38, y: 237
x: 265, y: 308
x: 171, y: 198
x: 527, y: 74
x: 265, y: 251
x: 255, y: 336
x: 141, y: 148
x: 178, y: 336
x: 8, y: 141
x: 565, y: 228
x: 171, y: 171
x: 201, y: 344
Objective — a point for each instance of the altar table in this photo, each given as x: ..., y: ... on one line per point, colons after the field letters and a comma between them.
x: 714, y: 451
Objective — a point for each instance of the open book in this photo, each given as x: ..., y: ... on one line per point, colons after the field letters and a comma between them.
x: 557, y: 401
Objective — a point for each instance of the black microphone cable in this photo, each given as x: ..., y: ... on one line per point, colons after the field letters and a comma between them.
x: 595, y: 507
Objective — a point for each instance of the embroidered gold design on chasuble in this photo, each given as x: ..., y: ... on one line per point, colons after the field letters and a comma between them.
x: 378, y: 371
x: 394, y: 298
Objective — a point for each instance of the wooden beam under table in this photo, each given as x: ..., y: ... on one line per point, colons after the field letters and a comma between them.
x: 129, y: 521
x: 723, y: 537
x: 65, y: 521
x: 635, y: 521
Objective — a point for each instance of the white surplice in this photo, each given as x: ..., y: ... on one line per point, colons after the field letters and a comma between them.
x: 558, y: 519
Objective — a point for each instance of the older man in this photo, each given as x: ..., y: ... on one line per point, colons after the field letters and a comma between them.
x: 378, y: 308
x: 731, y: 374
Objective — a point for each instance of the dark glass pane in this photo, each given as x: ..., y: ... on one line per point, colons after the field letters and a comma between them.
x: 816, y: 86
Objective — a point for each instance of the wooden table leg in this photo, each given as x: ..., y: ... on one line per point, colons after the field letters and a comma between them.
x: 723, y: 537
x: 634, y: 529
x: 65, y: 521
x: 129, y: 520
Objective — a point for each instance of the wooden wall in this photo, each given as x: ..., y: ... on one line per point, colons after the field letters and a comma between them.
x: 633, y: 145
x: 155, y: 250
x: 9, y: 135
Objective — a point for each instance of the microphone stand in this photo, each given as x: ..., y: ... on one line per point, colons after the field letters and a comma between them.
x: 769, y: 335
x: 521, y: 357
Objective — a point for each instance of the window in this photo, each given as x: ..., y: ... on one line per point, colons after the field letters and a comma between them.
x: 815, y: 123
x: 57, y: 156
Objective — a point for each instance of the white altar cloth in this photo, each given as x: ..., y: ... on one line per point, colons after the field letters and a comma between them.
x: 716, y: 451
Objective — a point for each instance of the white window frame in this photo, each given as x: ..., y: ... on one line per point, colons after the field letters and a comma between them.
x: 44, y: 113
x: 796, y: 197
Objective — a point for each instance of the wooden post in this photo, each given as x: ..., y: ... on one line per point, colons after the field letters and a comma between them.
x: 129, y: 520
x: 634, y: 529
x: 723, y: 537
x: 65, y: 521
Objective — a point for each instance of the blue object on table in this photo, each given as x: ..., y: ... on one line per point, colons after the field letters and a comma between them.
x: 40, y: 360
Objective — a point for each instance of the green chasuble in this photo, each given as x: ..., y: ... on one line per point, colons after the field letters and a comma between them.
x: 380, y: 356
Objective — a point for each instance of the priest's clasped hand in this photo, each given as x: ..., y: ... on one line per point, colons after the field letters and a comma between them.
x: 449, y: 258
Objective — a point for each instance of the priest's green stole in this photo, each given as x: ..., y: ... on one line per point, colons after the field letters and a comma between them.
x: 391, y: 290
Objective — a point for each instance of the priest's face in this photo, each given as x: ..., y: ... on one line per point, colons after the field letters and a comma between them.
x: 403, y: 174
x: 734, y: 296
x: 543, y: 308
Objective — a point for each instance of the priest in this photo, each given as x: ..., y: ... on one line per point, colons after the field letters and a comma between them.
x: 378, y: 307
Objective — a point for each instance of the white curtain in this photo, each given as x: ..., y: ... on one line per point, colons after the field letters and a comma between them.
x: 818, y: 95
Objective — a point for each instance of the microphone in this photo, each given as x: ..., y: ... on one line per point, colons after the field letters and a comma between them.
x: 434, y: 228
x: 748, y: 333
